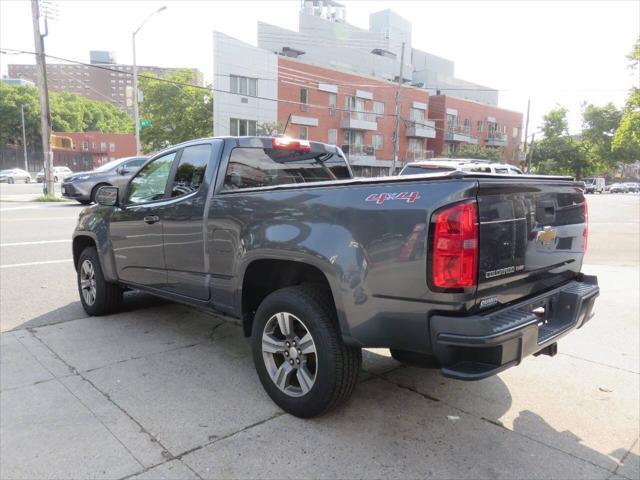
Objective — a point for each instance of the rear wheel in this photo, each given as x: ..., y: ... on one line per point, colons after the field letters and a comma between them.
x: 300, y: 358
x: 10, y: 180
x: 55, y: 179
x: 98, y: 296
x: 27, y: 180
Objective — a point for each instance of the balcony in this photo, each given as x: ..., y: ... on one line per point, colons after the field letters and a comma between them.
x: 496, y: 139
x: 359, y: 121
x: 417, y: 155
x: 459, y: 134
x: 426, y: 129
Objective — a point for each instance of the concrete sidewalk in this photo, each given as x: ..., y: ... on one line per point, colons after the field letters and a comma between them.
x: 168, y: 392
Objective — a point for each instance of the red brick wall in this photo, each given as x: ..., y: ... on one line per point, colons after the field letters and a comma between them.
x: 294, y: 75
x: 124, y: 145
x: 438, y: 105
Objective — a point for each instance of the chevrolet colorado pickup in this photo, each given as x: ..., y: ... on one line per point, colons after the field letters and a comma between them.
x: 470, y: 272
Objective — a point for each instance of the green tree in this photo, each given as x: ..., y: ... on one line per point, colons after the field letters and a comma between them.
x: 476, y: 151
x: 69, y: 113
x: 626, y: 141
x: 178, y: 112
x: 269, y: 129
x: 559, y: 153
x: 599, y: 124
x: 555, y: 123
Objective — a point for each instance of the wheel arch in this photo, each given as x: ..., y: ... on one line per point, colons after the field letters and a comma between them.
x: 263, y: 276
x: 105, y: 255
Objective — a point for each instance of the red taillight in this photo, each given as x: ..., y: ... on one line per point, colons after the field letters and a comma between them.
x: 585, y: 232
x: 286, y: 143
x: 455, y: 247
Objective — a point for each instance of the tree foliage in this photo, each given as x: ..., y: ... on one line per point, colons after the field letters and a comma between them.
x: 476, y: 151
x: 69, y: 113
x: 626, y: 141
x: 555, y: 123
x: 599, y: 124
x: 269, y: 129
x: 177, y: 112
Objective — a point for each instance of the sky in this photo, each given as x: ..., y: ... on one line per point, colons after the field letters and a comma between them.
x: 556, y: 53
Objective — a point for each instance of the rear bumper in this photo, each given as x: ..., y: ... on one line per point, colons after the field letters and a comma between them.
x: 476, y: 347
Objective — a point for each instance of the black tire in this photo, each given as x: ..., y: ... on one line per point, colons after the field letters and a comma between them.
x: 27, y: 180
x: 55, y: 179
x: 415, y: 359
x: 84, y: 202
x: 94, y: 191
x: 10, y: 180
x: 337, y: 365
x: 108, y: 296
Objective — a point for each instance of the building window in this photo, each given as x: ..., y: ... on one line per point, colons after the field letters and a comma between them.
x: 85, y: 146
x: 417, y: 115
x: 304, y: 98
x: 112, y: 147
x: 333, y: 102
x: 480, y: 126
x: 451, y: 148
x: 244, y: 85
x: 467, y: 125
x: 242, y: 128
x: 332, y: 137
x: 452, y: 121
x: 378, y: 108
x: 378, y: 142
x: 304, y: 133
x: 103, y: 146
x: 516, y: 132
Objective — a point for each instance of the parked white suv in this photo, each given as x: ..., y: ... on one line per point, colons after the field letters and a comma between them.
x: 463, y: 164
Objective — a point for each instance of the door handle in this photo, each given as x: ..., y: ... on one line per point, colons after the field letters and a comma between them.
x: 151, y: 219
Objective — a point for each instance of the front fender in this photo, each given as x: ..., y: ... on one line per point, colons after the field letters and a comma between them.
x: 94, y: 224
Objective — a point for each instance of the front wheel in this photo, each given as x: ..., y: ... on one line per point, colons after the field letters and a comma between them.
x: 10, y: 180
x: 27, y: 180
x: 98, y: 296
x: 299, y: 356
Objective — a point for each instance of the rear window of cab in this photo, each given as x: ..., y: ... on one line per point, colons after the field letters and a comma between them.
x: 266, y: 167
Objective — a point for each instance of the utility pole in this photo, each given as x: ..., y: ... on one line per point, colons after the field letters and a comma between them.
x: 45, y: 117
x: 24, y: 140
x: 533, y: 146
x: 526, y: 130
x: 396, y: 139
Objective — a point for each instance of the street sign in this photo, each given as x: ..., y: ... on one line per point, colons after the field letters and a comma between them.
x: 145, y: 123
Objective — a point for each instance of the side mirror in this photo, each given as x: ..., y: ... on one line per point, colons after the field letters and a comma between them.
x: 107, y: 196
x: 122, y: 171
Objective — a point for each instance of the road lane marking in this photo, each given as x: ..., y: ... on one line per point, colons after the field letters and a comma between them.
x: 19, y: 244
x: 28, y: 264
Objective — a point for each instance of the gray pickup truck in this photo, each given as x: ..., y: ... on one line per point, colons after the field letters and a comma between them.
x: 468, y: 272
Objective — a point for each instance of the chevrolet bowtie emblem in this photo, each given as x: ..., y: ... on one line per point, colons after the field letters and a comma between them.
x: 546, y: 236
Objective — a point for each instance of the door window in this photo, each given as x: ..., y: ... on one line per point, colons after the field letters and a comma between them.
x: 151, y: 182
x: 190, y: 171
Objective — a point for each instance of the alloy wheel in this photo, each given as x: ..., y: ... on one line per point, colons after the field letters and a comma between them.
x: 88, y: 282
x: 289, y: 354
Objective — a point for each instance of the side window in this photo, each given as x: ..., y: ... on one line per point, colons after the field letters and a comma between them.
x: 150, y: 183
x: 134, y: 164
x: 190, y: 171
x: 502, y: 170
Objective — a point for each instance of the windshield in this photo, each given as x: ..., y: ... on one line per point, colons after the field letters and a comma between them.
x: 109, y: 166
x: 415, y: 169
x: 5, y: 172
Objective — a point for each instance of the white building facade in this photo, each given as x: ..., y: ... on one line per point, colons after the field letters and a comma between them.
x: 245, y: 84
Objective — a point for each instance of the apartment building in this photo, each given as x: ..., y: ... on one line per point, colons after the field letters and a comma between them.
x: 354, y: 112
x: 103, y: 79
x: 459, y: 122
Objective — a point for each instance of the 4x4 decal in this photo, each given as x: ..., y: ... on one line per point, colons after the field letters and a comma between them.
x: 380, y: 198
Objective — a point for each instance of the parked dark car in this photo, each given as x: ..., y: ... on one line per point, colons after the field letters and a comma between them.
x: 84, y: 185
x: 468, y: 271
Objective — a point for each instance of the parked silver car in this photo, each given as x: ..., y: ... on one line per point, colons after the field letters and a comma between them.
x: 83, y: 186
x: 59, y: 174
x: 14, y: 175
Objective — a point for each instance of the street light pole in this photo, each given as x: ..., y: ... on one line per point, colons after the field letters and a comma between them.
x: 136, y: 112
x: 24, y: 140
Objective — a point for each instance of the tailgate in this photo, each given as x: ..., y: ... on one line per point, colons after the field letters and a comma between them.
x: 531, y: 236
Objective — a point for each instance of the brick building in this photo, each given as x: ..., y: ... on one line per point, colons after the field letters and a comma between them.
x: 355, y: 112
x: 98, y: 81
x: 82, y: 151
x: 460, y: 122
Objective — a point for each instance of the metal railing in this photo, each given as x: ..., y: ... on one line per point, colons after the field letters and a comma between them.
x: 358, y: 150
x: 415, y: 155
x: 366, y: 116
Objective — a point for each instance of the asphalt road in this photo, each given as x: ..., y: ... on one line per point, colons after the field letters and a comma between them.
x: 163, y: 391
